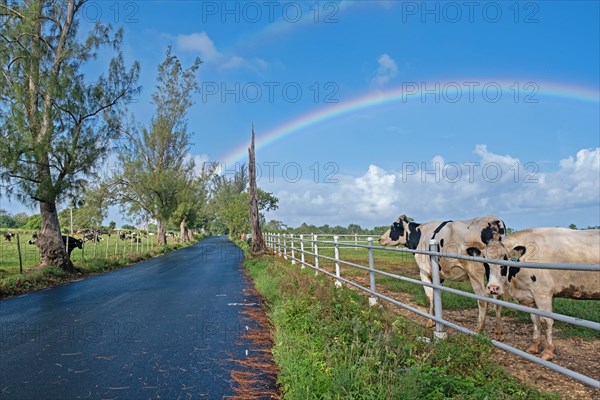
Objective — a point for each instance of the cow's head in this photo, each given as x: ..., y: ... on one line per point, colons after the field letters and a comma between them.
x: 402, y: 232
x: 499, y: 276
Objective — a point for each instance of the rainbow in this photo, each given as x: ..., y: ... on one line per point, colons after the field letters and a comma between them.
x: 405, y: 93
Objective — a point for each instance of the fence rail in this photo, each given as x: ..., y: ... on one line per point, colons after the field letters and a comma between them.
x: 288, y: 245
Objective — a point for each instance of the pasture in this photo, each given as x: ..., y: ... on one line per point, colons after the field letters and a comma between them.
x: 96, y: 256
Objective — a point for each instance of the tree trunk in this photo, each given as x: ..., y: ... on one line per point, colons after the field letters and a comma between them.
x: 49, y: 241
x: 161, y: 234
x: 258, y: 244
x: 183, y: 236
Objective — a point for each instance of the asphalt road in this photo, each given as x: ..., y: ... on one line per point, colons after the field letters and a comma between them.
x: 165, y: 328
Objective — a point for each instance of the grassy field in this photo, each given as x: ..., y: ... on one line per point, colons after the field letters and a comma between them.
x: 404, y: 264
x: 330, y: 345
x: 110, y: 253
x: 108, y: 247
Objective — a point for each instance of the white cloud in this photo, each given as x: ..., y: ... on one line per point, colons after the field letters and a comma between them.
x: 519, y: 192
x: 201, y: 43
x: 386, y: 71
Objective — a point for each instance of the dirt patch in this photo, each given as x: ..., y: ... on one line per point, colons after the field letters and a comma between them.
x: 256, y: 375
x: 576, y: 354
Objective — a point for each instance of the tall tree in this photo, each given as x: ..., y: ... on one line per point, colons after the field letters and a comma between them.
x: 191, y: 199
x: 154, y: 160
x: 55, y: 122
x: 258, y: 242
x: 228, y: 202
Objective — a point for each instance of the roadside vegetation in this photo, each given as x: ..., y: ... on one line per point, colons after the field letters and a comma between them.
x: 330, y: 344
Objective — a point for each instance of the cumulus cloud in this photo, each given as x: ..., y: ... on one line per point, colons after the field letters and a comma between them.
x: 519, y: 192
x: 201, y: 43
x: 386, y: 71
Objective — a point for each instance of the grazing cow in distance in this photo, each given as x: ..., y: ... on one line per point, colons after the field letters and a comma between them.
x: 93, y: 236
x: 8, y: 236
x: 73, y: 243
x: 454, y: 237
x: 535, y: 287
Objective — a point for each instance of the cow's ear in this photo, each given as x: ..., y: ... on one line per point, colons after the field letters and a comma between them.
x: 501, y: 230
x: 520, y: 251
x: 473, y: 252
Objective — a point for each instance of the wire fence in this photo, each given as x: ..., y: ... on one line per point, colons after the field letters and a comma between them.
x: 19, y: 252
x: 307, y: 250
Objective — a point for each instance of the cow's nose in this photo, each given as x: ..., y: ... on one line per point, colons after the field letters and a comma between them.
x: 494, y: 289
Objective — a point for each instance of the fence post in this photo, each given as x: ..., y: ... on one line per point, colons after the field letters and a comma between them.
x: 336, y: 252
x: 285, y: 247
x: 279, y: 244
x: 437, y: 293
x: 316, y: 248
x: 20, y: 257
x: 302, y: 251
x: 292, y: 244
x: 372, y: 299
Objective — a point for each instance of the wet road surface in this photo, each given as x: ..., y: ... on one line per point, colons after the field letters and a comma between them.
x: 165, y: 328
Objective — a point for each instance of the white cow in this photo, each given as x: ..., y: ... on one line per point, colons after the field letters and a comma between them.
x: 537, y: 287
x: 454, y: 237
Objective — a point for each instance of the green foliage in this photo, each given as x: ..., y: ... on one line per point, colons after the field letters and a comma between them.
x: 229, y: 202
x: 34, y: 222
x: 56, y: 123
x: 6, y: 220
x: 41, y: 80
x: 155, y: 163
x: 20, y: 219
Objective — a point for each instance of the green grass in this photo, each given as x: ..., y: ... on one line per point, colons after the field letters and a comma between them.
x: 329, y: 344
x: 109, y: 254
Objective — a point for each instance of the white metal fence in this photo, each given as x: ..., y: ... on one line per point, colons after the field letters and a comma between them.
x: 296, y: 247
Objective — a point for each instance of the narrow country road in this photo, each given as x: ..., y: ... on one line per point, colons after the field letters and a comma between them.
x: 165, y: 328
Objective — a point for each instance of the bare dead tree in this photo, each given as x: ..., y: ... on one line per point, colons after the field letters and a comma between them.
x: 258, y: 243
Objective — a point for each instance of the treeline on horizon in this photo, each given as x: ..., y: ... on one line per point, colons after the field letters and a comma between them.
x: 33, y: 222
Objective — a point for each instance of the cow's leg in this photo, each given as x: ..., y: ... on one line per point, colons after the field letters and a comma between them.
x: 425, y: 277
x: 548, y: 353
x: 544, y: 303
x: 479, y: 289
x: 498, y: 310
x: 534, y: 347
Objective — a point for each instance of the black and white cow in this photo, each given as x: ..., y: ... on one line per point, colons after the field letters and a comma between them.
x: 454, y: 237
x: 534, y: 287
x: 72, y: 243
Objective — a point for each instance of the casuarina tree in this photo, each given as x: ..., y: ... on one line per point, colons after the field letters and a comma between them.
x: 154, y: 159
x: 56, y: 122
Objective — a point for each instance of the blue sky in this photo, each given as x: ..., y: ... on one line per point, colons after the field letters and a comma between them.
x: 365, y: 110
